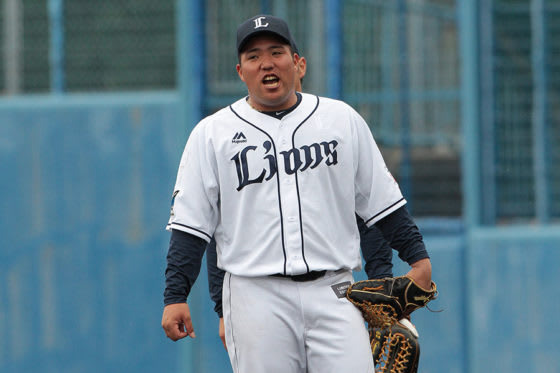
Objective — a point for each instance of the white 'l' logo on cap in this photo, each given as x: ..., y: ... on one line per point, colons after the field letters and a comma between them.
x: 258, y: 22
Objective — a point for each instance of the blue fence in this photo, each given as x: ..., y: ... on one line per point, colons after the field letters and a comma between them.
x: 85, y: 185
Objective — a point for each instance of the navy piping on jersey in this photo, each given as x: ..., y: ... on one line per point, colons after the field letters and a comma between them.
x: 381, y: 212
x: 194, y: 229
x: 231, y: 323
x: 297, y: 185
x: 277, y: 181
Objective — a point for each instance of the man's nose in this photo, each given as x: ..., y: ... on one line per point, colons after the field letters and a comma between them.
x: 267, y: 63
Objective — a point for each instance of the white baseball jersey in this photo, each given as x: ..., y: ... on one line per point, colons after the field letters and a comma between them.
x: 280, y: 196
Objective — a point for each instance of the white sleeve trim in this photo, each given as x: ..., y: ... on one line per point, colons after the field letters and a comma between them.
x: 395, y: 206
x: 187, y: 229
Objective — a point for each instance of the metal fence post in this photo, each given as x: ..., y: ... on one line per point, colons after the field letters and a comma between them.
x: 191, y: 89
x: 56, y: 48
x: 404, y: 103
x: 540, y: 109
x: 334, y: 72
x: 13, y: 41
x: 190, y: 60
x: 468, y: 38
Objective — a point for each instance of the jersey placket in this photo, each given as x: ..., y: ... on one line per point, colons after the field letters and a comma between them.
x: 295, y: 263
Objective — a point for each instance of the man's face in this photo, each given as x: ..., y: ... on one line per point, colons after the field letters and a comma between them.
x: 269, y: 71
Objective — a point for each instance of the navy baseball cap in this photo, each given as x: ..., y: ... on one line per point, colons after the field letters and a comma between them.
x: 260, y: 24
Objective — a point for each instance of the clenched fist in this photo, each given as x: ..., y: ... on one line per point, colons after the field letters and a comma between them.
x: 176, y: 321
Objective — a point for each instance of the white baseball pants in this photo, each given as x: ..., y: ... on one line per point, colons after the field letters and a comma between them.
x: 277, y: 325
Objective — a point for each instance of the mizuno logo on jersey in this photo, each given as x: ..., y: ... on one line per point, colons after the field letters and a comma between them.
x: 239, y: 137
x: 293, y: 160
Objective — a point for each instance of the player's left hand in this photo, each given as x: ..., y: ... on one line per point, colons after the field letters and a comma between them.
x: 421, y: 273
x: 176, y: 321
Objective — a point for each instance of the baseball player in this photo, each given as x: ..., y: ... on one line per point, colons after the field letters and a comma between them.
x: 277, y: 177
x: 376, y: 251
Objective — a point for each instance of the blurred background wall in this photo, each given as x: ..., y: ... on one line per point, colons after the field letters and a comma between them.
x: 97, y: 101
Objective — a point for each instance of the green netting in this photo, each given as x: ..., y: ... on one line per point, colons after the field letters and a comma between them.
x: 425, y: 84
x: 553, y: 32
x: 401, y: 72
x: 120, y: 45
x: 35, y: 49
x: 2, y: 50
x: 513, y: 110
x: 107, y: 45
x: 515, y: 142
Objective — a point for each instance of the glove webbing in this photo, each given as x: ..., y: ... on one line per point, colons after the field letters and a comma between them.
x: 379, y: 315
x: 398, y: 345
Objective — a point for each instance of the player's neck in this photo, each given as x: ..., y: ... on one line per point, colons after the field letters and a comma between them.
x: 278, y: 114
x: 261, y: 106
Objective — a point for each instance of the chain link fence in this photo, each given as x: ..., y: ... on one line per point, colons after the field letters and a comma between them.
x: 401, y: 72
x: 131, y: 45
x: 400, y: 68
x: 106, y: 45
x: 521, y: 127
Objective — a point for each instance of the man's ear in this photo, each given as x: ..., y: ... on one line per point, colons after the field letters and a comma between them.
x: 239, y: 72
x: 296, y: 58
x: 302, y: 67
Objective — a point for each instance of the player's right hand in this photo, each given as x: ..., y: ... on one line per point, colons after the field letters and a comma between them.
x: 176, y: 321
x: 222, y: 332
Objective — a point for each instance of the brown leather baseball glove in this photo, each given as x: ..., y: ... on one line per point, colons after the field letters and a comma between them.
x: 385, y: 301
x: 395, y: 349
x: 386, y: 304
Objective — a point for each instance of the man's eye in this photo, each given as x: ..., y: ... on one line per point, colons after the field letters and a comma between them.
x: 252, y: 57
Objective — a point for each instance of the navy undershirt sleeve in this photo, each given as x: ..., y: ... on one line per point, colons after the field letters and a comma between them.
x: 184, y: 260
x: 403, y: 235
x: 215, y: 277
x: 376, y: 251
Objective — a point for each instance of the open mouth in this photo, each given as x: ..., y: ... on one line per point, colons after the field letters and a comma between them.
x: 271, y: 81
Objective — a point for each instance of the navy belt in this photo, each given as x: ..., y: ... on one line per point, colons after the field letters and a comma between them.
x: 309, y: 276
